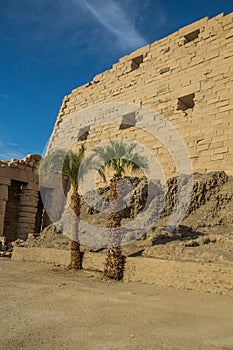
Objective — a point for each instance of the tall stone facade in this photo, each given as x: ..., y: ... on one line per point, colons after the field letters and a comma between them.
x: 20, y: 207
x: 187, y: 77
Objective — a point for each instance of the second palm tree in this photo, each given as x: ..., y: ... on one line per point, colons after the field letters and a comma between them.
x: 116, y: 156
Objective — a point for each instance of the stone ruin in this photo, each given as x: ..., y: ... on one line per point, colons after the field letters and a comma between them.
x: 21, y: 209
x: 187, y: 77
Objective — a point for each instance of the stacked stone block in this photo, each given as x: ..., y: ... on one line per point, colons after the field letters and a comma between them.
x: 20, y: 179
x: 27, y: 213
x: 188, y: 78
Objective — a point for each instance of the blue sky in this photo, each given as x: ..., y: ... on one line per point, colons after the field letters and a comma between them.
x: 49, y: 47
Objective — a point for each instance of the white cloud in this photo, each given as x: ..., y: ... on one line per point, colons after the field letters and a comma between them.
x: 9, y: 150
x: 61, y: 32
x: 12, y: 144
x: 8, y: 155
x: 112, y: 16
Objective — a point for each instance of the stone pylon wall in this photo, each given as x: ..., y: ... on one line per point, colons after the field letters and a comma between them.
x: 188, y: 78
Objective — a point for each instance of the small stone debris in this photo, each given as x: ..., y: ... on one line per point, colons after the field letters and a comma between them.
x: 192, y: 244
x: 5, y: 254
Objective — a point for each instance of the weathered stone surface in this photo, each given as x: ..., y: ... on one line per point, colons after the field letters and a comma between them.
x: 3, y: 192
x: 200, y: 60
x: 183, y: 275
x: 207, y: 277
x: 54, y: 256
x: 19, y: 187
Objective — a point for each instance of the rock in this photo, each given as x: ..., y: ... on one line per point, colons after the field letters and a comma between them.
x: 206, y: 241
x: 5, y: 254
x: 192, y: 244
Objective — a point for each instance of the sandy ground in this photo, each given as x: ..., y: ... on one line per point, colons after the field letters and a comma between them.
x: 47, y: 308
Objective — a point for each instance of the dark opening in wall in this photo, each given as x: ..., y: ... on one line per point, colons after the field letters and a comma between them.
x: 83, y: 133
x: 186, y: 102
x: 192, y: 36
x: 136, y: 62
x: 47, y: 194
x: 39, y: 215
x: 12, y: 210
x: 128, y: 121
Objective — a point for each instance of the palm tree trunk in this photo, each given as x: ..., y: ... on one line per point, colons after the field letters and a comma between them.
x: 114, y: 263
x: 76, y: 256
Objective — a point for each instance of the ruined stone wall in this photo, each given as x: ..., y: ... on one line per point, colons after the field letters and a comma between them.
x: 188, y: 78
x: 19, y: 195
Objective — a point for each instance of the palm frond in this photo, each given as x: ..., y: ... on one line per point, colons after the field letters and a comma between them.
x: 67, y: 163
x: 51, y: 163
x: 119, y: 156
x: 72, y: 166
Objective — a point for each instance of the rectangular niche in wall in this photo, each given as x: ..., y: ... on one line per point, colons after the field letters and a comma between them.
x: 128, y: 120
x: 192, y: 36
x: 186, y: 102
x: 83, y: 133
x: 136, y: 62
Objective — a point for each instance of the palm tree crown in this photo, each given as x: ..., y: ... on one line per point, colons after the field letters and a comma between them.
x: 69, y: 163
x: 118, y: 156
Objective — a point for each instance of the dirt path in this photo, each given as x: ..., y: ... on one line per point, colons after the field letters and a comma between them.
x: 46, y: 309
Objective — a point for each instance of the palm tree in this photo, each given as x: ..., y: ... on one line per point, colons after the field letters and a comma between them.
x: 116, y: 156
x: 69, y: 164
